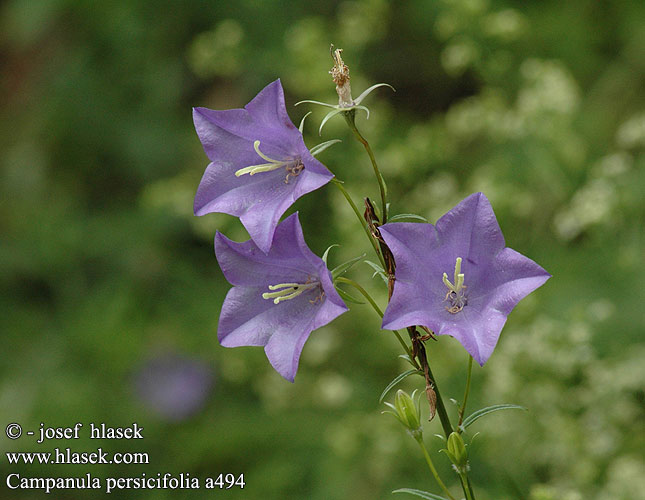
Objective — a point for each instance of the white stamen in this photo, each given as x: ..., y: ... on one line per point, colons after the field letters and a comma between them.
x: 288, y: 291
x: 293, y: 166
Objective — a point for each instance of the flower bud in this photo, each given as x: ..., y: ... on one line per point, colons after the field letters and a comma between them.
x: 407, y: 412
x: 457, y: 451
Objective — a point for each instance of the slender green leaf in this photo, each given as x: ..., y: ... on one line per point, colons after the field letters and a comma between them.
x: 403, y: 217
x: 396, y: 380
x: 374, y: 266
x: 346, y: 296
x: 489, y: 409
x: 340, y: 269
x: 419, y: 493
x: 407, y: 358
x: 377, y: 270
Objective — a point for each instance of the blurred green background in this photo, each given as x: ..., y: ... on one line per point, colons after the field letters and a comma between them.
x: 111, y: 292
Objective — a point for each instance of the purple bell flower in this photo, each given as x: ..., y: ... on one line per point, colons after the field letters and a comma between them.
x: 458, y: 278
x: 259, y: 163
x: 278, y: 297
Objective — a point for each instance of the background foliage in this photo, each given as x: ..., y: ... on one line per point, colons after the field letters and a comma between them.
x: 105, y: 270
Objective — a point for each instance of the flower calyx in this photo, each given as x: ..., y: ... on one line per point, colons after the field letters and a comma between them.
x: 457, y: 453
x: 455, y: 296
x: 408, y: 412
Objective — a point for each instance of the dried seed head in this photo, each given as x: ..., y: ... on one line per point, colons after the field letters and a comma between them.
x: 340, y: 74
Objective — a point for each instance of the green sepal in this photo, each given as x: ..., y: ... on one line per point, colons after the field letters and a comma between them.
x: 396, y: 380
x: 366, y: 92
x: 329, y: 115
x: 472, y: 418
x: 456, y: 450
x: 326, y: 254
x: 301, y: 127
x: 322, y: 146
x: 327, y: 105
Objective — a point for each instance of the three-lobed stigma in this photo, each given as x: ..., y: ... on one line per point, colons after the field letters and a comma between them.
x: 456, y: 296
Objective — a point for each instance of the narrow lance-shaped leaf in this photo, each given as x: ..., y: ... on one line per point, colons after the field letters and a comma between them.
x: 489, y: 409
x: 396, y: 380
x: 377, y: 270
x: 346, y: 296
x: 407, y: 217
x: 342, y: 268
x: 419, y: 493
x: 406, y: 358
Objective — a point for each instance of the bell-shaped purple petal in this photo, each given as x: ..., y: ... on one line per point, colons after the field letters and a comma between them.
x: 229, y: 139
x: 249, y: 319
x: 496, y: 278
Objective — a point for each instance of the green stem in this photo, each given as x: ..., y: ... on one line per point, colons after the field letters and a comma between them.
x: 349, y: 118
x: 465, y: 485
x: 470, y: 493
x: 433, y: 470
x: 441, y: 409
x: 339, y: 185
x: 342, y: 279
x: 375, y: 306
x: 462, y: 409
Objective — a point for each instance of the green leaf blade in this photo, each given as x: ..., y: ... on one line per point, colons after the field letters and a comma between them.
x: 346, y: 296
x: 473, y: 417
x: 419, y: 493
x: 404, y: 217
x: 396, y: 380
